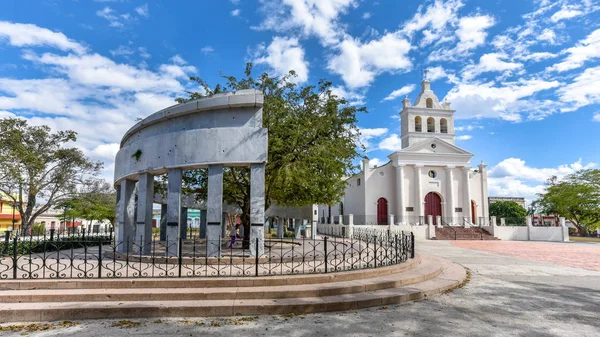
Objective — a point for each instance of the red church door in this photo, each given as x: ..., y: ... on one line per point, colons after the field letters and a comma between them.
x: 433, y: 206
x: 382, y: 211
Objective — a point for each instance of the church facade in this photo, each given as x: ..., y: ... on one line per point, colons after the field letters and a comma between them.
x: 429, y: 175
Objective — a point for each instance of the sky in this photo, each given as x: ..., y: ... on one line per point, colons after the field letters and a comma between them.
x: 523, y: 75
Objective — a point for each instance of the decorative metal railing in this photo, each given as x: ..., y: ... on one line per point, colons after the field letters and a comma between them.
x: 100, y: 256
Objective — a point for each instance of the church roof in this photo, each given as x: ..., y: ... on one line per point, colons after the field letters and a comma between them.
x: 433, y: 150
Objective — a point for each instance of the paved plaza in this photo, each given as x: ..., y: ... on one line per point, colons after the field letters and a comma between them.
x: 510, y: 293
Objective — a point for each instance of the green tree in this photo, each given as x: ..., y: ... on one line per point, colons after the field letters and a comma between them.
x: 95, y: 202
x: 312, y: 143
x: 35, y: 164
x: 508, y: 210
x: 576, y: 198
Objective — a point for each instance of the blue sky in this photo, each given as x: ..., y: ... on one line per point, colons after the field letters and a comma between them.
x: 523, y: 75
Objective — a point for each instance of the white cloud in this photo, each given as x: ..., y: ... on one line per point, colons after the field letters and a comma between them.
x: 391, y: 143
x: 516, y: 167
x: 367, y: 135
x: 284, y: 54
x: 436, y: 18
x: 513, y: 177
x: 586, y: 49
x: 235, y: 12
x: 486, y: 100
x: 468, y: 127
x: 376, y: 162
x: 143, y: 10
x: 358, y: 63
x: 366, y: 16
x: 537, y: 57
x: 405, y: 90
x: 547, y: 35
x: 144, y: 53
x: 596, y: 117
x: 27, y: 35
x: 7, y: 114
x: 312, y: 18
x: 121, y: 51
x: 88, y: 92
x: 207, y: 49
x: 435, y: 73
x: 566, y: 12
x: 463, y: 137
x: 491, y: 62
x: 471, y: 31
x: 584, y: 90
x: 353, y: 97
x: 114, y: 19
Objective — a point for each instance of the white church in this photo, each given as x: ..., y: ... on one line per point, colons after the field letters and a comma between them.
x: 430, y: 175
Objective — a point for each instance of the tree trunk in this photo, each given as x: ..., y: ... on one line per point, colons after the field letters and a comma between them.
x: 245, y: 218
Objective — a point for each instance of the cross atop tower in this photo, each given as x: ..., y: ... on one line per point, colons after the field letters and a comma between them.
x: 425, y: 74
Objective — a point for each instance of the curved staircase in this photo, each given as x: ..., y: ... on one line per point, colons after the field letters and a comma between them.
x: 48, y: 300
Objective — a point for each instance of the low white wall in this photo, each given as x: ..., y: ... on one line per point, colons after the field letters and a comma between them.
x: 545, y: 234
x: 516, y: 233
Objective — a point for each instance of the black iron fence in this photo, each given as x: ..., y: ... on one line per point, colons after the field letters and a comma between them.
x: 101, y: 256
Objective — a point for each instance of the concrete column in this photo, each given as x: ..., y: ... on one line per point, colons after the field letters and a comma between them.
x: 400, y: 207
x: 529, y: 227
x: 391, y: 221
x: 280, y: 229
x: 565, y: 229
x: 126, y: 220
x: 183, y: 226
x: 502, y: 222
x: 438, y: 220
x: 484, y: 192
x: 430, y: 220
x: 173, y: 211
x: 203, y: 216
x: 350, y: 225
x: 257, y: 209
x: 493, y: 225
x: 144, y: 213
x: 341, y: 219
x: 214, y: 210
x: 163, y: 222
x: 450, y: 195
x: 420, y: 211
x: 297, y: 226
x: 467, y: 195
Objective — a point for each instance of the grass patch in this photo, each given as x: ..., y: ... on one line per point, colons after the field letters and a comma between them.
x: 126, y: 324
x: 26, y: 328
x: 583, y: 239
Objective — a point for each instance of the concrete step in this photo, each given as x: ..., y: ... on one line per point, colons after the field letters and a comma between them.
x: 451, y: 275
x: 426, y: 270
x: 207, y: 282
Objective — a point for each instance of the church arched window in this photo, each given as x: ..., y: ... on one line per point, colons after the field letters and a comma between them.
x: 443, y: 125
x: 429, y: 103
x: 418, y: 127
x: 430, y: 124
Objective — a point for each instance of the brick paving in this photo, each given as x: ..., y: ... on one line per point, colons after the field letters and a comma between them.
x: 564, y: 254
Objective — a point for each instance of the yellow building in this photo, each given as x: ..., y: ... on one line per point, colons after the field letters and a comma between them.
x: 6, y: 215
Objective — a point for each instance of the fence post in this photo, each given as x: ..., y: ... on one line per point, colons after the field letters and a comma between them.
x: 325, y: 248
x: 256, y: 258
x: 6, y: 241
x: 15, y: 257
x: 529, y: 227
x: 412, y: 245
x: 565, y: 230
x: 375, y: 251
x: 179, y: 251
x: 100, y: 259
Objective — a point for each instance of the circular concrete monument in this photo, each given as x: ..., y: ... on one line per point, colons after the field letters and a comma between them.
x: 213, y: 132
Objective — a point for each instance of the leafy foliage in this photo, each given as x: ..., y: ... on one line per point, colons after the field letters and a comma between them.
x: 95, y: 202
x: 507, y: 209
x: 312, y: 142
x: 35, y: 164
x: 576, y: 197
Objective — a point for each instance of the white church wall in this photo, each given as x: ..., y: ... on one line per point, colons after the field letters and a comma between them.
x: 380, y: 184
x: 511, y: 233
x: 545, y: 233
x: 475, y: 191
x: 409, y: 194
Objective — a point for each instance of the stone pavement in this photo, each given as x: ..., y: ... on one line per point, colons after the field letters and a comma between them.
x: 578, y: 255
x: 507, y: 296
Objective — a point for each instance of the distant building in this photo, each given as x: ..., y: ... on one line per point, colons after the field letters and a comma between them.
x: 518, y: 200
x: 8, y: 214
